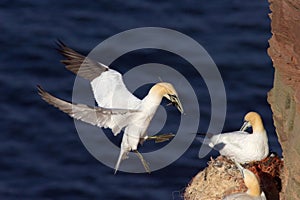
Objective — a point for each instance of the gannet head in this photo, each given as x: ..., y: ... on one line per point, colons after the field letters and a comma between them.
x: 253, y: 119
x: 250, y: 180
x: 167, y: 90
x: 251, y: 183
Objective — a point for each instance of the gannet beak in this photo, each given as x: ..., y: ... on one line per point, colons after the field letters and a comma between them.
x: 245, y: 126
x: 178, y: 105
x: 175, y: 102
x: 240, y: 168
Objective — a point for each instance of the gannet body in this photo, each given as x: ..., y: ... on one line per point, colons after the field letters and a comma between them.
x: 242, y: 146
x: 118, y: 108
x: 252, y: 183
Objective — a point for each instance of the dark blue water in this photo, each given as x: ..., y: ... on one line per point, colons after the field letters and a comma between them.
x: 42, y: 156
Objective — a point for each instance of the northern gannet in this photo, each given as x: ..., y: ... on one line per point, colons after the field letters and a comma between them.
x: 118, y: 108
x: 242, y: 146
x: 254, y: 191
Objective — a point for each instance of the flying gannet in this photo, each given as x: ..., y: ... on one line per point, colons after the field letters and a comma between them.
x: 254, y: 191
x: 242, y: 146
x: 118, y: 108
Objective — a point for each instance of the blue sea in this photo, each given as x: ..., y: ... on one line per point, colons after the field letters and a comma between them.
x: 42, y: 156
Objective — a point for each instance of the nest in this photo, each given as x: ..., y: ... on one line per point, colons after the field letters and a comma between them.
x: 222, y: 178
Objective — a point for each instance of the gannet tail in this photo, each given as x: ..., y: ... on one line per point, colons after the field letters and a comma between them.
x: 122, y: 156
x: 205, y: 138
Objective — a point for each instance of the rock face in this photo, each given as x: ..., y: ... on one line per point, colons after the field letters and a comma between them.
x: 284, y: 98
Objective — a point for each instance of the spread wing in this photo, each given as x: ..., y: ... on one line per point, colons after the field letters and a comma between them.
x: 97, y: 116
x: 108, y: 87
x: 107, y: 84
x: 79, y: 64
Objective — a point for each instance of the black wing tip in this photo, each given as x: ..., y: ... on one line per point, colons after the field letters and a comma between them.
x: 59, y: 46
x: 40, y: 90
x: 65, y: 50
x: 44, y: 95
x: 59, y: 43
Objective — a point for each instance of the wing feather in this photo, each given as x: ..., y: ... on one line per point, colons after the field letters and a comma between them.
x: 79, y: 64
x: 107, y: 84
x: 108, y: 88
x: 111, y: 92
x: 97, y: 116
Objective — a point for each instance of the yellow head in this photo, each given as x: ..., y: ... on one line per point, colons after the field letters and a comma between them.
x: 167, y: 90
x: 253, y: 119
x: 251, y: 181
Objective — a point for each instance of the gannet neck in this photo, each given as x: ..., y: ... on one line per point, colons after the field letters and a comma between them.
x: 256, y: 122
x: 252, y: 183
x: 155, y: 95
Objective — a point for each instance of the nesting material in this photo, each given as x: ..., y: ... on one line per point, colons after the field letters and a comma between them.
x: 222, y: 178
x: 219, y: 179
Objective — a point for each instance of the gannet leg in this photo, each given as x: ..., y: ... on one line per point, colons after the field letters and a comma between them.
x: 161, y: 138
x: 144, y: 162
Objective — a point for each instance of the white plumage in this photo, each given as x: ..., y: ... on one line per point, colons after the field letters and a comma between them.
x: 242, y: 146
x: 118, y: 108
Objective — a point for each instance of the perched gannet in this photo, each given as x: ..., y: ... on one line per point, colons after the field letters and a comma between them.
x: 252, y: 183
x: 118, y: 108
x: 242, y: 146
